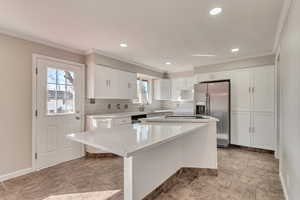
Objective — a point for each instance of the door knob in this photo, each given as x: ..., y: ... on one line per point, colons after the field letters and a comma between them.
x: 77, y: 118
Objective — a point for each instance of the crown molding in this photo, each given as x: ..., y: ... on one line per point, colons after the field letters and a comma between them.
x: 38, y: 40
x: 109, y: 55
x: 237, y: 59
x: 282, y: 20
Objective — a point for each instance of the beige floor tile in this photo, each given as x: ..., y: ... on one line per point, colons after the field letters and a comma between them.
x: 242, y: 175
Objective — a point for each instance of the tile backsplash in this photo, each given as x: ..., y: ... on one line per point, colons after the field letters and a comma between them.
x: 106, y: 106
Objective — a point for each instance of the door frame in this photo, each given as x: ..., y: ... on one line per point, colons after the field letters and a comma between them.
x: 35, y: 58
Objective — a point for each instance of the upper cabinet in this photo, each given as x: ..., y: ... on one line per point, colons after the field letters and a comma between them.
x: 263, y: 89
x: 213, y: 76
x: 108, y: 83
x: 253, y: 89
x: 177, y: 89
x: 240, y: 90
x: 163, y: 89
x: 182, y: 89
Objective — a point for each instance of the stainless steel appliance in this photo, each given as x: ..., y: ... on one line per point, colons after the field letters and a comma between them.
x: 213, y: 99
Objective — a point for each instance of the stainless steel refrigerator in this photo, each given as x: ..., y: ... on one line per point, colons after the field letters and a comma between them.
x: 214, y: 97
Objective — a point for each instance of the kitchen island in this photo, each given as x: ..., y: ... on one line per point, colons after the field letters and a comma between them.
x: 154, y: 152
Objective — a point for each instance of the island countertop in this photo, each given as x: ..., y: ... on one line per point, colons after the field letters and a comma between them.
x: 127, y: 139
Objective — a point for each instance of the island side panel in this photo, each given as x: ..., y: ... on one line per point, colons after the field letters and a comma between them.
x: 147, y: 169
x: 200, y: 148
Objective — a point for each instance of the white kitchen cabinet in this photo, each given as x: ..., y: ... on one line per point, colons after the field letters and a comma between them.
x: 93, y: 123
x: 240, y: 128
x: 202, y: 77
x: 182, y: 88
x: 127, y: 85
x: 263, y: 89
x: 177, y: 86
x: 163, y: 89
x: 263, y: 131
x: 107, y: 83
x: 213, y: 76
x: 240, y: 90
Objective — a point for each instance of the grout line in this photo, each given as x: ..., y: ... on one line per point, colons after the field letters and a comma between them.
x: 3, y: 185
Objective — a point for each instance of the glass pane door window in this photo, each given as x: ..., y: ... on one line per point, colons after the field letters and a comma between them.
x: 60, y: 91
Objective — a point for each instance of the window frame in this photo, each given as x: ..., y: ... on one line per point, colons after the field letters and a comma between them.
x: 138, y: 100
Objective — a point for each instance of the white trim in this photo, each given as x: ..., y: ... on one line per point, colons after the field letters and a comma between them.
x: 232, y: 60
x: 38, y: 40
x: 102, y: 53
x: 280, y: 26
x: 35, y: 57
x: 276, y: 154
x: 15, y: 174
x: 286, y: 196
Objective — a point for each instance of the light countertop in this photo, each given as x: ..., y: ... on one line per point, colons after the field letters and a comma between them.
x: 180, y: 119
x: 127, y: 114
x: 126, y: 139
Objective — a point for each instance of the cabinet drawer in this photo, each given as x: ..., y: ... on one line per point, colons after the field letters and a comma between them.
x: 121, y: 121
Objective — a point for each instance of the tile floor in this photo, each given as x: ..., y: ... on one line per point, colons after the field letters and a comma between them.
x: 243, y: 175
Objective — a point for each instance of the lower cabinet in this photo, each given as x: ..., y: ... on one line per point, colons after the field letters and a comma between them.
x: 253, y: 129
x: 240, y: 128
x: 263, y: 131
x: 94, y: 123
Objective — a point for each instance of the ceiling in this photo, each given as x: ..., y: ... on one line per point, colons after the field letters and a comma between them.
x: 156, y: 31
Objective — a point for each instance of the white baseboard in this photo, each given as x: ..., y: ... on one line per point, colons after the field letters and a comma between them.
x: 283, y: 186
x: 15, y: 174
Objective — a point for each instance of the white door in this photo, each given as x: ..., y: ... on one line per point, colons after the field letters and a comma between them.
x: 59, y: 112
x: 240, y: 126
x: 263, y: 130
x: 240, y: 93
x: 264, y: 89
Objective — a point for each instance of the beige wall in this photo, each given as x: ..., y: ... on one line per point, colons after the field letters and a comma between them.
x: 16, y: 99
x: 16, y: 96
x: 289, y: 73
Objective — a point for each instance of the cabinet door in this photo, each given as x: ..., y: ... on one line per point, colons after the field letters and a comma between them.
x: 177, y: 86
x: 240, y: 126
x: 190, y: 81
x: 162, y: 89
x: 132, y: 85
x: 222, y: 75
x: 127, y: 88
x: 104, y: 82
x: 264, y: 89
x: 240, y: 94
x: 202, y: 77
x: 263, y: 135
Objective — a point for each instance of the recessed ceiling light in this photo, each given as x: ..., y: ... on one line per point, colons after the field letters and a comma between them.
x: 215, y: 11
x: 168, y: 63
x: 235, y: 50
x: 204, y: 55
x: 123, y: 45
